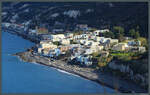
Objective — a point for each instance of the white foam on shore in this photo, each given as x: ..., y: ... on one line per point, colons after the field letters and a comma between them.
x: 66, y: 72
x: 62, y: 71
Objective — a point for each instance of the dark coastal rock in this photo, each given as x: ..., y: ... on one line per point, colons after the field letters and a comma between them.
x: 18, y: 54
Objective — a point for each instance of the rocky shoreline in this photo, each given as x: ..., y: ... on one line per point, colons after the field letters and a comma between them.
x: 88, y: 73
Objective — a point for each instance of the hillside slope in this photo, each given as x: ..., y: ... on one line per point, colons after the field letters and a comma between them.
x: 99, y: 15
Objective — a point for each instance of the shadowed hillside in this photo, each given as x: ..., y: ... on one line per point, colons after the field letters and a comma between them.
x: 99, y: 15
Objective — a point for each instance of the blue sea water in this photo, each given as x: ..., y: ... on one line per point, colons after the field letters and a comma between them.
x: 23, y: 77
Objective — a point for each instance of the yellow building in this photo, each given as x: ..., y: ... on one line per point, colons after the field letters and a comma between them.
x: 65, y: 41
x: 48, y: 45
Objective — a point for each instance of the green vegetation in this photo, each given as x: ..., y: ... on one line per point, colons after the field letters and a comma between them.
x: 102, y: 64
x: 101, y: 61
x: 118, y: 32
x: 134, y: 33
x: 96, y: 54
x: 138, y: 62
x: 78, y: 32
x: 119, y: 29
x: 109, y: 34
x: 137, y: 35
x: 144, y: 42
x: 131, y: 32
x: 92, y: 29
x: 57, y: 43
x: 127, y: 56
x: 73, y: 42
x: 120, y: 54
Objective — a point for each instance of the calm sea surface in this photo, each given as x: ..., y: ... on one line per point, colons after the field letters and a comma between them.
x: 23, y: 77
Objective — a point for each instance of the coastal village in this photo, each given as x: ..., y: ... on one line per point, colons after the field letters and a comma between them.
x: 81, y: 45
x: 85, y: 47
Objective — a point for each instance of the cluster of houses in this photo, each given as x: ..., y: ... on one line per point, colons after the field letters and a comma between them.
x: 85, y: 44
x: 132, y: 46
x: 82, y: 45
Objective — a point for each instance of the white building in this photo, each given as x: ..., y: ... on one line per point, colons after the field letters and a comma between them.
x: 88, y: 51
x: 88, y: 43
x: 65, y: 41
x: 69, y: 35
x: 97, y: 32
x: 104, y: 30
x: 81, y: 41
x: 46, y: 45
x: 93, y: 49
x: 98, y: 39
x: 95, y: 43
x: 92, y: 37
x: 114, y: 41
x: 57, y: 37
x: 120, y: 47
x: 141, y: 49
x: 133, y: 43
x: 96, y: 48
x: 85, y: 60
x: 76, y: 37
x: 103, y: 40
x: 85, y: 36
x: 75, y: 45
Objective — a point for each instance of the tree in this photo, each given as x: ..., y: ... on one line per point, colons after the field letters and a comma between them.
x: 119, y: 32
x: 119, y: 29
x: 120, y: 37
x: 102, y: 64
x: 57, y: 43
x: 144, y: 41
x: 95, y: 54
x: 109, y: 34
x: 134, y: 33
x: 137, y: 35
x: 131, y: 32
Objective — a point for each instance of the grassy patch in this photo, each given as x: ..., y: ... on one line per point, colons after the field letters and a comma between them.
x: 120, y: 54
x: 144, y: 42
